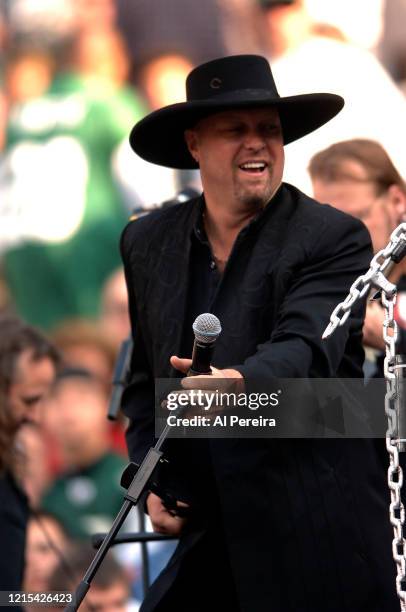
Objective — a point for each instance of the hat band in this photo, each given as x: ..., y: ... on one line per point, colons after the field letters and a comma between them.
x: 240, y: 95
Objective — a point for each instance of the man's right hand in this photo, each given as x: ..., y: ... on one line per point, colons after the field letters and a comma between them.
x: 161, y: 519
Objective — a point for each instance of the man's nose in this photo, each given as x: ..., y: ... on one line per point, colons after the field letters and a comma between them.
x: 33, y: 414
x: 254, y: 140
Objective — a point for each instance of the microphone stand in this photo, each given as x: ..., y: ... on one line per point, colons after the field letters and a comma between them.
x: 141, y: 537
x: 121, y: 371
x: 138, y: 479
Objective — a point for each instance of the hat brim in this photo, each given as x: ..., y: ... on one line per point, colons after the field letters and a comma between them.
x: 159, y: 137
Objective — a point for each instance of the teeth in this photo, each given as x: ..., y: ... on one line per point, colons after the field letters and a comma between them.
x: 253, y: 165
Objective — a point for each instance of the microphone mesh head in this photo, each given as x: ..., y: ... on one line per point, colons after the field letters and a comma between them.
x: 207, y: 327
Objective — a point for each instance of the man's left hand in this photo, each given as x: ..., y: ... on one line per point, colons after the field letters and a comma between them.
x: 207, y: 382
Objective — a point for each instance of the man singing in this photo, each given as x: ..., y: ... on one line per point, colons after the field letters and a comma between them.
x: 279, y: 525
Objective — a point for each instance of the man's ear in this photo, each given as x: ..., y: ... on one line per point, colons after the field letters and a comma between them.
x: 191, y: 141
x: 398, y: 200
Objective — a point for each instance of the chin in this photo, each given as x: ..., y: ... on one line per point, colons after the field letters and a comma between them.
x: 254, y: 200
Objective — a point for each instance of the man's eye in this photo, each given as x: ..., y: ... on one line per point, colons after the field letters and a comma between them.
x: 232, y: 129
x: 271, y: 129
x: 30, y: 401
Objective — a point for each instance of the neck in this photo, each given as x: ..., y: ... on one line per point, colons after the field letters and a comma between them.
x: 226, y: 223
x: 224, y: 219
x: 223, y: 225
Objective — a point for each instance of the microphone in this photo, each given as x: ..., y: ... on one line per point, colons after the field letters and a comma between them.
x: 207, y: 329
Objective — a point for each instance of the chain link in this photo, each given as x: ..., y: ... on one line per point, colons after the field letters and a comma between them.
x: 395, y: 472
x: 375, y: 277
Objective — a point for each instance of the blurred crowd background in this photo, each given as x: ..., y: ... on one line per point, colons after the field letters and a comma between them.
x: 75, y: 76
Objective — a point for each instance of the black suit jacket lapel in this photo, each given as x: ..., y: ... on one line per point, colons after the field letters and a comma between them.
x: 172, y: 270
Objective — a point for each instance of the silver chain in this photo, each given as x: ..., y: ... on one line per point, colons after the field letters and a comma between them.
x: 375, y: 277
x: 395, y: 472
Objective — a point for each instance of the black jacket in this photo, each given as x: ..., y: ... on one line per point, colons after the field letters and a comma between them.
x: 305, y: 521
x: 13, y: 522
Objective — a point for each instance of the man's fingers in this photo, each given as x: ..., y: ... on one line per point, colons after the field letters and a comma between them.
x: 168, y: 525
x: 162, y: 521
x: 183, y: 365
x: 204, y: 382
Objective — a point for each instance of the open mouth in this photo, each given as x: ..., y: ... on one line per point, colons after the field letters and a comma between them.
x: 253, y: 167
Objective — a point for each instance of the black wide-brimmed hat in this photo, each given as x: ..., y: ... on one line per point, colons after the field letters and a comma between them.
x: 237, y: 81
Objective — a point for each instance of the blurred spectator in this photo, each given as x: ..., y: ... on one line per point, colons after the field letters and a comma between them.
x: 87, y: 495
x: 361, y: 22
x: 309, y: 61
x: 85, y: 344
x: 46, y: 544
x: 3, y: 25
x: 145, y: 186
x: 46, y: 22
x: 288, y: 25
x: 202, y: 31
x: 28, y: 365
x: 28, y: 73
x: 3, y: 98
x: 103, y: 55
x: 52, y: 21
x: 110, y: 588
x: 3, y: 117
x: 241, y: 25
x: 114, y: 318
x: 38, y: 461
x: 359, y: 178
x: 62, y: 211
x: 392, y: 48
x: 91, y: 345
x: 151, y: 27
x: 95, y: 15
x: 161, y: 77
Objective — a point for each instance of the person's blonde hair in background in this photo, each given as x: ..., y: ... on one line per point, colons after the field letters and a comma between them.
x: 84, y: 344
x: 358, y: 177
